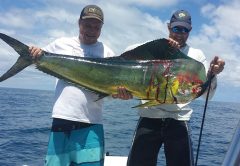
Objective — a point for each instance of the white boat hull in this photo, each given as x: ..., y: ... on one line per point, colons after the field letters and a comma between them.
x: 115, y: 161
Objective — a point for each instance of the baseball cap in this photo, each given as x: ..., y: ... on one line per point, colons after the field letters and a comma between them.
x: 92, y: 11
x: 181, y: 18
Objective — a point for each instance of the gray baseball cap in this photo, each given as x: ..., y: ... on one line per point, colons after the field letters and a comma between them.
x: 92, y: 11
x: 181, y: 18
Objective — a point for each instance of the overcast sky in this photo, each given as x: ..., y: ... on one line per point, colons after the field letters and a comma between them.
x: 216, y: 31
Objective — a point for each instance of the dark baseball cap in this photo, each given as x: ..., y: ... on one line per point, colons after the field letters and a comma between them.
x: 181, y: 18
x: 92, y: 11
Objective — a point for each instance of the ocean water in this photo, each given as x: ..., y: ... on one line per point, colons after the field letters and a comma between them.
x: 25, y: 120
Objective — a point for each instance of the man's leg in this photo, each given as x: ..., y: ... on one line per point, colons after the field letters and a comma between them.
x: 178, y: 146
x: 146, y: 144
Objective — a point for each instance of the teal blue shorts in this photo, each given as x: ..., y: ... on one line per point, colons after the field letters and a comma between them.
x: 79, y: 147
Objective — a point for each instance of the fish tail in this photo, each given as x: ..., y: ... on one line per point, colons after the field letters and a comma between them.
x: 22, y: 62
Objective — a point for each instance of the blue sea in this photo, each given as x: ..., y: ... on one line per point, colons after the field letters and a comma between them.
x: 25, y: 120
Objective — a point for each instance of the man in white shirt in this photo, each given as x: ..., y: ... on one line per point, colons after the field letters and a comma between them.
x: 77, y: 136
x: 167, y: 123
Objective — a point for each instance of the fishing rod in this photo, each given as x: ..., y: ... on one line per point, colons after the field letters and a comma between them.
x: 204, y: 113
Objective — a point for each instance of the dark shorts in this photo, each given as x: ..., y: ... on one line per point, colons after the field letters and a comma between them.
x: 151, y: 134
x: 75, y: 143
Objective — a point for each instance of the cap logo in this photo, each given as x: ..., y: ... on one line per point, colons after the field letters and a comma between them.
x: 91, y: 10
x: 94, y: 10
x: 181, y: 15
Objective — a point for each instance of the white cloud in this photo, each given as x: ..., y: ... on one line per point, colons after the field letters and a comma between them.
x: 146, y: 3
x: 223, y: 18
x: 220, y: 37
x: 61, y: 16
x: 127, y: 25
x: 16, y: 18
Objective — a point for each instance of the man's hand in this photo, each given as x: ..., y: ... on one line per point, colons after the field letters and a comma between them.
x: 174, y: 43
x: 123, y: 94
x: 216, y: 66
x: 35, y: 52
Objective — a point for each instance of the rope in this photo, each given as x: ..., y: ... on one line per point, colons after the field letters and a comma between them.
x: 204, y: 113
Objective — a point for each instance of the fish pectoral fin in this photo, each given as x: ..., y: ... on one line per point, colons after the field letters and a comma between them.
x: 101, y: 96
x: 149, y: 103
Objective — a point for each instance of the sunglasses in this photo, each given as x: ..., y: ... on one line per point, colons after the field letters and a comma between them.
x: 180, y: 30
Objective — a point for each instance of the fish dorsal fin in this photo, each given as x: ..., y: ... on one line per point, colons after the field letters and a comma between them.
x: 157, y: 49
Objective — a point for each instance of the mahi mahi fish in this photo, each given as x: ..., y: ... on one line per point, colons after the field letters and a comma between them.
x: 154, y: 71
